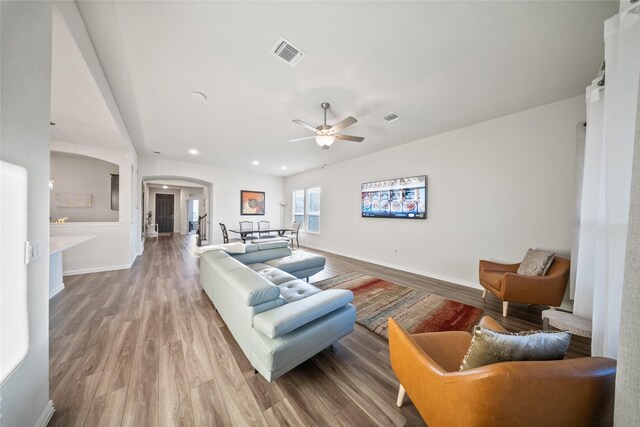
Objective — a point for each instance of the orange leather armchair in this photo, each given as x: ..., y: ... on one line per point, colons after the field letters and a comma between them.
x: 503, y: 281
x: 571, y: 392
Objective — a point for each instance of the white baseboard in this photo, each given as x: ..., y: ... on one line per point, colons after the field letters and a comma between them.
x: 402, y: 268
x: 97, y: 269
x: 46, y: 415
x: 57, y: 288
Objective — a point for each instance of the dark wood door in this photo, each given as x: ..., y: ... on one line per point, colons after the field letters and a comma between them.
x: 164, y: 212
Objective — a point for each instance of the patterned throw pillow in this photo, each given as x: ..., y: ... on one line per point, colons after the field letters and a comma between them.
x: 536, y: 263
x: 489, y: 347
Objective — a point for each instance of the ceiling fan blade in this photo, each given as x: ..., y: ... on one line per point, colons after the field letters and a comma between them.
x: 302, y: 139
x: 306, y: 125
x: 343, y: 124
x: 349, y: 138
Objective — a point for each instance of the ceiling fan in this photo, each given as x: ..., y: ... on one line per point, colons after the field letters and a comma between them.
x: 327, y: 135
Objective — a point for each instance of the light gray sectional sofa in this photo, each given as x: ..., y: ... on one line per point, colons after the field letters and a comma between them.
x: 278, y: 320
x: 276, y: 253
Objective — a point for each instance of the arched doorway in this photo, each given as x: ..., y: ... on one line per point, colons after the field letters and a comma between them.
x: 190, y: 197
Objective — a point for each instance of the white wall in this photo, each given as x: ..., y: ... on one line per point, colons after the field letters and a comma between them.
x: 225, y: 197
x: 128, y: 237
x: 116, y: 243
x: 25, y: 83
x: 78, y: 174
x: 494, y: 189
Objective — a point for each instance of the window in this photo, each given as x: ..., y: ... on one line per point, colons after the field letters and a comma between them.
x: 313, y: 210
x: 306, y: 209
x: 298, y: 207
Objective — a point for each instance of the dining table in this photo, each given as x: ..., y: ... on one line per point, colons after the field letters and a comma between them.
x: 244, y: 233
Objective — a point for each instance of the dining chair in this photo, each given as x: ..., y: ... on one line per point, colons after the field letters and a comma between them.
x: 225, y: 234
x: 294, y: 234
x: 247, y: 226
x: 264, y: 225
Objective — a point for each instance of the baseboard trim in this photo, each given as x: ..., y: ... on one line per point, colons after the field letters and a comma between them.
x: 56, y: 290
x: 97, y: 269
x: 401, y: 268
x: 46, y: 415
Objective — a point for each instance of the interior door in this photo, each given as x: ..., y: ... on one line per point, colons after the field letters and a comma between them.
x: 164, y: 213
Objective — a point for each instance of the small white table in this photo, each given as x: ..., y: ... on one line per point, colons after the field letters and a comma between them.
x: 57, y: 244
x: 566, y: 321
x: 152, y: 230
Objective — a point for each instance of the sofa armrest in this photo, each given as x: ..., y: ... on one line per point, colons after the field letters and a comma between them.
x: 281, y: 320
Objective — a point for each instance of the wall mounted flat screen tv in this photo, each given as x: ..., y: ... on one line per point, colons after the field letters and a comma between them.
x: 395, y: 198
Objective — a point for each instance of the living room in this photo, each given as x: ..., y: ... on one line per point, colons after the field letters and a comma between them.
x: 492, y: 120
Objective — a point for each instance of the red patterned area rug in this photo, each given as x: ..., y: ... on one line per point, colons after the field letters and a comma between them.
x: 416, y: 311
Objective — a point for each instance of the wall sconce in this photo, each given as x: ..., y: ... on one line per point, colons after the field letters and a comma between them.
x: 50, y: 184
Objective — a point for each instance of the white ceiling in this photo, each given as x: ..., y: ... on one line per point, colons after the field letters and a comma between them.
x: 77, y: 107
x: 438, y: 65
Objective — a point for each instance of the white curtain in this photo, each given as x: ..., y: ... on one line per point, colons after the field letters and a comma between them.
x: 611, y: 117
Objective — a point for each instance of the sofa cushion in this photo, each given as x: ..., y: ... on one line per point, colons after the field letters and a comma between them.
x: 230, y: 248
x: 296, y: 289
x: 254, y: 255
x: 273, y: 275
x: 488, y: 346
x: 297, y: 261
x: 536, y: 263
x: 266, y: 244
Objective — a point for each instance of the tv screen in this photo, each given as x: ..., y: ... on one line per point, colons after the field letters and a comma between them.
x: 395, y: 198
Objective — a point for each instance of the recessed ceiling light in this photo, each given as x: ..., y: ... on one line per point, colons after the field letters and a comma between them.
x: 255, y: 163
x: 283, y: 168
x: 165, y: 187
x: 199, y: 96
x: 192, y: 151
x: 156, y: 152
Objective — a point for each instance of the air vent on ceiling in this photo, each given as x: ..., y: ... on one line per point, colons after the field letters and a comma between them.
x: 391, y: 117
x: 287, y: 52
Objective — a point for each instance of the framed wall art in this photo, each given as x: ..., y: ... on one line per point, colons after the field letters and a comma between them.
x: 251, y: 202
x: 73, y: 200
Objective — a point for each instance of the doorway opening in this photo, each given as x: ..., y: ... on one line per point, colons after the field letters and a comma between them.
x: 193, y: 212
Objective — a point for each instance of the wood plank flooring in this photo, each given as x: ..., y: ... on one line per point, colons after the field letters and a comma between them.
x: 145, y: 347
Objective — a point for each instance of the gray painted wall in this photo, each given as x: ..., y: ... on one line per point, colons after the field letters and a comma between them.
x: 25, y: 84
x: 627, y: 408
x: 80, y: 174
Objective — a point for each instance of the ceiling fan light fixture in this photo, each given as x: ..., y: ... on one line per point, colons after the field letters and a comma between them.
x: 325, y: 141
